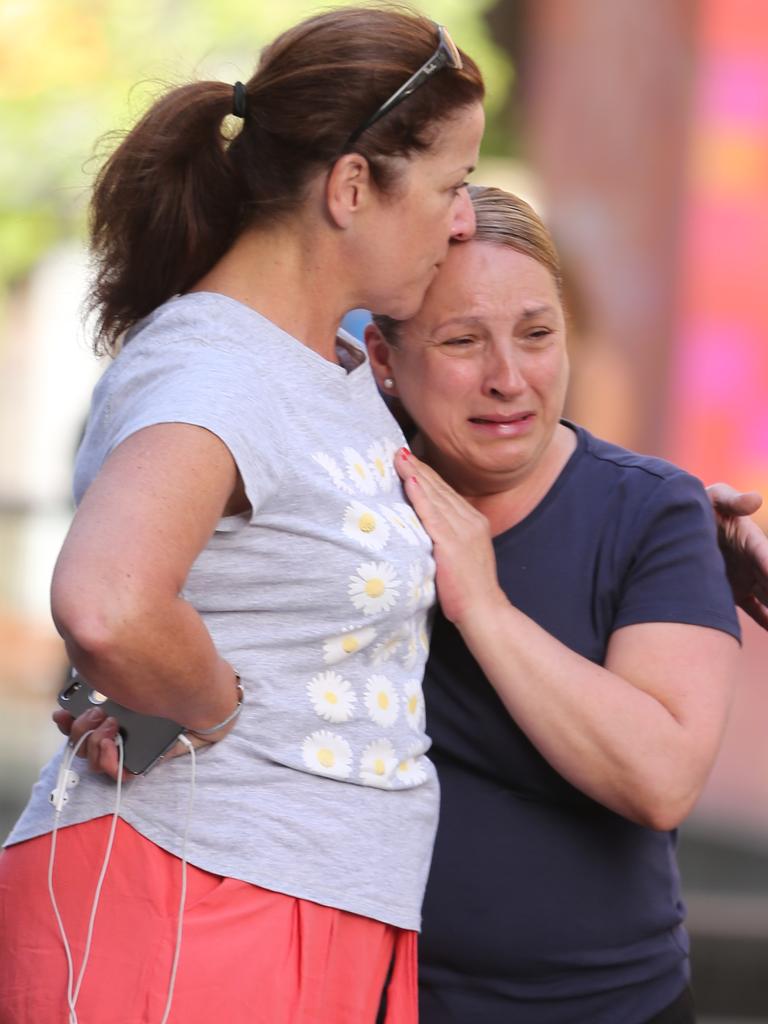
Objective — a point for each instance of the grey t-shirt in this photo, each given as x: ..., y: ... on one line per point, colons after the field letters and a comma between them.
x: 319, y: 598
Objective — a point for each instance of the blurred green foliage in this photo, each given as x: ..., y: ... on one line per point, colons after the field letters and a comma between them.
x: 69, y: 71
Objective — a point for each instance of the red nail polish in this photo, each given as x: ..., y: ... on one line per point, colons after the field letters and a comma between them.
x: 405, y: 452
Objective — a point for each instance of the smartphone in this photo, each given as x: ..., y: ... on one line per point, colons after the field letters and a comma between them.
x: 145, y: 737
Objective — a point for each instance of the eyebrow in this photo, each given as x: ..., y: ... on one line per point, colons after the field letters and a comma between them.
x: 528, y: 313
x: 531, y: 312
x: 457, y: 320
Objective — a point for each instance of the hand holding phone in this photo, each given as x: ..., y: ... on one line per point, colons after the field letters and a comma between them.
x: 145, y: 737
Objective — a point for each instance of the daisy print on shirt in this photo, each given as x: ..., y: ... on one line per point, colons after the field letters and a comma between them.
x: 332, y: 697
x: 340, y: 647
x: 381, y: 700
x: 365, y: 696
x: 374, y: 587
x: 379, y: 764
x: 327, y: 753
x: 366, y: 525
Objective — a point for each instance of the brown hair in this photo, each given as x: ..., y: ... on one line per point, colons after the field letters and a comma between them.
x: 503, y: 219
x: 173, y: 196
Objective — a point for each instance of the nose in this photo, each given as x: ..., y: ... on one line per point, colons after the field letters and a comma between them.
x: 504, y: 377
x: 463, y: 226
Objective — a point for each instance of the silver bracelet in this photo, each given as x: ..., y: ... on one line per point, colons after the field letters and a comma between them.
x: 230, y: 717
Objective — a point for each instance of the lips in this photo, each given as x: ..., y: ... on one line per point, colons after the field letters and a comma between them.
x: 518, y: 417
x: 503, y: 425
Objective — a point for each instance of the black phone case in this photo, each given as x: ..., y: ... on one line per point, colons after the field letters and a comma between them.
x: 145, y: 737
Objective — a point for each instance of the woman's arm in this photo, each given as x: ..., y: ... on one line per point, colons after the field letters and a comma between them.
x: 116, y: 587
x: 744, y: 547
x: 638, y: 734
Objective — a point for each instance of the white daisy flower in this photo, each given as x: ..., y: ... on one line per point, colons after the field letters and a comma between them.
x: 378, y: 764
x: 365, y: 526
x: 422, y: 632
x: 340, y: 647
x: 374, y: 587
x: 414, y: 705
x: 332, y: 697
x: 414, y: 588
x: 386, y: 649
x: 411, y: 653
x: 358, y: 471
x: 381, y: 700
x: 411, y: 771
x: 428, y: 586
x: 327, y: 754
x: 333, y: 470
x: 406, y: 512
x: 379, y: 456
x: 397, y: 521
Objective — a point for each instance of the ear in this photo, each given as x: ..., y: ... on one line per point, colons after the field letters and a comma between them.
x: 347, y: 188
x: 379, y: 353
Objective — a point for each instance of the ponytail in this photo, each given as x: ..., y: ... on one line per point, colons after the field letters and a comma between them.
x: 166, y: 206
x: 173, y: 196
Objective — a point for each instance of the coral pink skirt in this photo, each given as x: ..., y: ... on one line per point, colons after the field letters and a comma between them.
x: 248, y: 955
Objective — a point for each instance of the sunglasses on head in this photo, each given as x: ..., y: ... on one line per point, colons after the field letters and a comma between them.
x: 446, y: 55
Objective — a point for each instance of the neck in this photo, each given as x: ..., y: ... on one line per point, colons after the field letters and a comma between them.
x: 288, y: 274
x: 506, y: 502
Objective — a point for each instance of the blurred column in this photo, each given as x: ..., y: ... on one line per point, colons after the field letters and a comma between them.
x: 720, y: 380
x: 604, y: 89
x: 46, y: 375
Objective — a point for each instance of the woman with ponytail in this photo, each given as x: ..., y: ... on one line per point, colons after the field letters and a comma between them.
x: 242, y: 560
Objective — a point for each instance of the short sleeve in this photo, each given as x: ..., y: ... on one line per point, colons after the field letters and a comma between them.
x: 192, y: 382
x: 676, y: 572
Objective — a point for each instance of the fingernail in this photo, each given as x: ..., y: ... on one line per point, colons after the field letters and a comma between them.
x: 405, y: 452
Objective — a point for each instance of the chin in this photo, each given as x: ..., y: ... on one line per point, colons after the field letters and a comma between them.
x: 404, y: 308
x: 406, y: 303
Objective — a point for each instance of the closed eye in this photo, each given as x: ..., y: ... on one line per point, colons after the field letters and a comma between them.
x: 539, y: 334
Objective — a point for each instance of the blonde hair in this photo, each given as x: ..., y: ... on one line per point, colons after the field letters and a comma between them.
x: 505, y: 219
x: 502, y: 218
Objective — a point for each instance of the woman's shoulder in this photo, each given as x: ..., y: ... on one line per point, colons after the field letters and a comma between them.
x: 625, y: 461
x: 632, y: 474
x: 632, y: 490
x: 202, y: 322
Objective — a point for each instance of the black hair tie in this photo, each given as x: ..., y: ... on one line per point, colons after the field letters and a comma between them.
x: 239, y: 100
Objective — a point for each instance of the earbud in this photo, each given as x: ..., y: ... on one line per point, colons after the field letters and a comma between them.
x: 66, y: 780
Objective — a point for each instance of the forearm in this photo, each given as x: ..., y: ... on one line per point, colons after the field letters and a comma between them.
x: 638, y: 734
x: 115, y: 592
x: 612, y: 740
x: 155, y: 657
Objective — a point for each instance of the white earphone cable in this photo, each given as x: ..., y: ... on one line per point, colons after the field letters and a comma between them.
x: 73, y: 988
x: 183, y: 897
x: 58, y: 798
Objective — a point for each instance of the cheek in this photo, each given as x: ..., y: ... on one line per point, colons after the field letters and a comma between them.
x: 451, y: 380
x: 550, y: 377
x: 450, y: 399
x: 431, y: 393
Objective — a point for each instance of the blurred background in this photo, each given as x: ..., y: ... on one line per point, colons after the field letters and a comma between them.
x: 639, y: 130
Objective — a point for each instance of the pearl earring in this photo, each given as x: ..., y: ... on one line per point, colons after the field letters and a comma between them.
x: 388, y: 383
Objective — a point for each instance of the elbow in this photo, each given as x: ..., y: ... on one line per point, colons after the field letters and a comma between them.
x: 663, y: 811
x: 98, y: 629
x: 661, y: 819
x: 90, y: 637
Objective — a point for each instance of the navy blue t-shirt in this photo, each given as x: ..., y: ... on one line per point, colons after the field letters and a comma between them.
x: 544, y: 907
